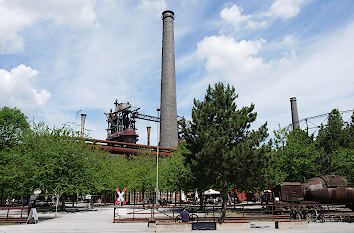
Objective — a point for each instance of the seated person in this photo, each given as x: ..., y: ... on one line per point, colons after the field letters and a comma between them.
x: 185, y: 215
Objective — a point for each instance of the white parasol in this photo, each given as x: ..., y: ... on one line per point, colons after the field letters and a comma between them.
x: 210, y: 192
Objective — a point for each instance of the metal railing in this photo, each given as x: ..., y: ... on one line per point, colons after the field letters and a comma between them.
x: 144, y: 214
x: 211, y: 213
x: 13, y: 214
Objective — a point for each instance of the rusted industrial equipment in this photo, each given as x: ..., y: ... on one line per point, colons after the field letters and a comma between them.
x: 121, y: 122
x: 329, y: 189
x: 127, y: 148
x: 289, y: 192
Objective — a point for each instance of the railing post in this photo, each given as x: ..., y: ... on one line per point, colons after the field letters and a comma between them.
x: 213, y: 214
x: 133, y: 213
x: 7, y: 215
x: 243, y: 211
x: 273, y: 211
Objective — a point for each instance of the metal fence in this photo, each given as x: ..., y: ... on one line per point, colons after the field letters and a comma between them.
x: 208, y: 213
x: 211, y: 213
x: 13, y: 214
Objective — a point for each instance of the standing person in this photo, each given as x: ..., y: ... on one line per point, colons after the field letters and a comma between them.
x: 185, y: 215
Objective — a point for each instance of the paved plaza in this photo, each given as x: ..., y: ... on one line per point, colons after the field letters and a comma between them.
x: 101, y: 220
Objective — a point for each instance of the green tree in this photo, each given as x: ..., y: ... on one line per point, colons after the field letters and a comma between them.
x: 55, y: 161
x: 331, y: 136
x: 296, y: 159
x: 223, y: 147
x: 336, y: 140
x: 13, y: 123
x: 173, y: 172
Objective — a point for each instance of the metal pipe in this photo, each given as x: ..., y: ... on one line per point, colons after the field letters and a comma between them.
x: 148, y: 128
x: 294, y: 113
x: 157, y: 162
x: 168, y: 120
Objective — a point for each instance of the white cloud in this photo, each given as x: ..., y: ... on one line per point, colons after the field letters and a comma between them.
x: 320, y: 76
x: 17, y: 15
x: 17, y: 90
x: 284, y: 8
x: 255, y: 25
x: 234, y: 15
x: 230, y: 58
x: 280, y: 9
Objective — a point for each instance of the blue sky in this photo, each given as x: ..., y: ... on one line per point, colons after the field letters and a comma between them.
x: 58, y: 57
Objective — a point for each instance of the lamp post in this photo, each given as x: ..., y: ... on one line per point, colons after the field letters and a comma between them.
x: 157, y: 159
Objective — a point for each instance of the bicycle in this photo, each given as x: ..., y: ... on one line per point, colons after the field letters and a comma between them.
x: 294, y: 214
x: 316, y: 216
x: 192, y: 218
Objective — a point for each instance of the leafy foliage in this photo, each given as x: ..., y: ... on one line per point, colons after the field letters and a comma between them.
x: 57, y: 161
x: 336, y: 141
x: 223, y: 148
x: 13, y: 124
x: 173, y: 172
x: 297, y: 156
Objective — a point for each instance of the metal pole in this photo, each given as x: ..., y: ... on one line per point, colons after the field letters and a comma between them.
x: 157, y: 159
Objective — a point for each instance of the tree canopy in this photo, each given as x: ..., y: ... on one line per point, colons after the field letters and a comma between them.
x: 224, y: 150
x: 57, y: 161
x: 13, y: 123
x: 297, y: 156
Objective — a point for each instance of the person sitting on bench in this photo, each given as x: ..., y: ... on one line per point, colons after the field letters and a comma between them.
x: 185, y: 215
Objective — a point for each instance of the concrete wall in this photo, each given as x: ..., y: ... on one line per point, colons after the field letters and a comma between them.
x: 233, y: 226
x: 173, y: 227
x: 290, y: 224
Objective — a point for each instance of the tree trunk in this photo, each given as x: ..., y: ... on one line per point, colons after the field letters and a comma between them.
x: 224, y: 198
x: 134, y: 196
x: 2, y: 195
x: 143, y: 191
x: 63, y: 200
x: 201, y: 202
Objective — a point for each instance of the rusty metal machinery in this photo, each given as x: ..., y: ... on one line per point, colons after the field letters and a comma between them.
x: 329, y: 189
x: 121, y: 122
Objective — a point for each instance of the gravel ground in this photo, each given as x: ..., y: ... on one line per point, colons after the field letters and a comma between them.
x: 101, y: 220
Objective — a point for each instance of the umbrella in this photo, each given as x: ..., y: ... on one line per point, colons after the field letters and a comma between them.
x: 211, y: 191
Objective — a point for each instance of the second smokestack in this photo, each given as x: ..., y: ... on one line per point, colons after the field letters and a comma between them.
x: 83, y: 118
x: 294, y: 113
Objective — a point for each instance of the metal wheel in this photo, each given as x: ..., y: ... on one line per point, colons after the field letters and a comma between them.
x: 298, y: 216
x: 308, y: 218
x: 178, y: 218
x: 193, y: 218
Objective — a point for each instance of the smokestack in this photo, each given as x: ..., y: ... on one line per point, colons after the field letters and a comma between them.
x: 148, y: 128
x: 294, y: 113
x: 168, y: 118
x: 83, y: 118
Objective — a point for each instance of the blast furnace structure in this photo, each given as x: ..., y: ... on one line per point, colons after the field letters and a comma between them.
x: 121, y: 121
